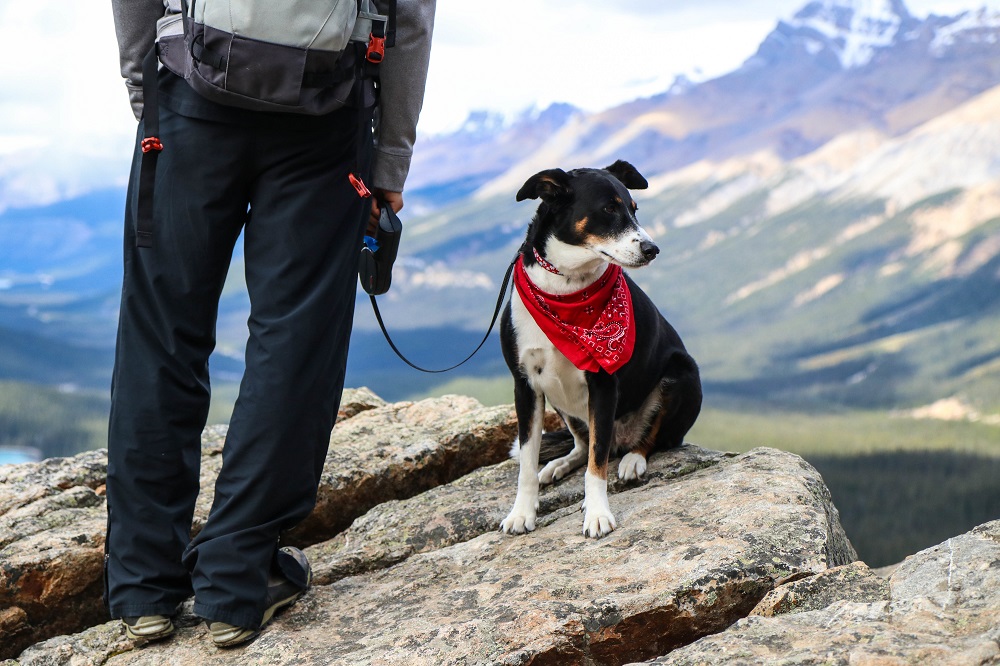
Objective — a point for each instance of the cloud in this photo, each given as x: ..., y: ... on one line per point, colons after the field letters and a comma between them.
x: 65, y: 123
x: 590, y: 54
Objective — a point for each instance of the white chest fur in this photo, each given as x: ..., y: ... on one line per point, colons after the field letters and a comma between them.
x: 547, y: 369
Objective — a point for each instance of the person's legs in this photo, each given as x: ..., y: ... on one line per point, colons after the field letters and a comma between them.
x: 301, y: 242
x: 160, y: 386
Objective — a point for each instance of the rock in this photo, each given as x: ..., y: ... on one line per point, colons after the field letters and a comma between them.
x: 51, y: 548
x: 699, y: 543
x: 399, y: 450
x: 355, y: 401
x: 943, y: 608
x: 852, y: 582
x: 462, y: 510
x: 53, y: 520
x: 31, y: 482
x: 886, y: 571
x: 89, y: 648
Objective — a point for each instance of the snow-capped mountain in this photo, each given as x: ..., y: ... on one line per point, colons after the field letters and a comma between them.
x: 450, y: 166
x: 970, y: 28
x: 833, y: 204
x: 845, y: 33
x: 835, y: 66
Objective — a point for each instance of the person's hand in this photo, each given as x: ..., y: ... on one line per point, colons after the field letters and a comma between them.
x: 392, y: 199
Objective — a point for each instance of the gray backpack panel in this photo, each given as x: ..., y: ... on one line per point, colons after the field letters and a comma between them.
x: 293, y: 56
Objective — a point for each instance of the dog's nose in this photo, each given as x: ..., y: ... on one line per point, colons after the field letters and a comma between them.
x: 648, y: 249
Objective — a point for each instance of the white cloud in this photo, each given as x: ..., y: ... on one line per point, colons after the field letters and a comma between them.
x: 65, y: 123
x: 592, y: 55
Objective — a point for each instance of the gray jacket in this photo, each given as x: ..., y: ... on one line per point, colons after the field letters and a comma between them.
x: 403, y: 74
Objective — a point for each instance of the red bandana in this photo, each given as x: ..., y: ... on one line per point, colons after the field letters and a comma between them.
x: 594, y: 327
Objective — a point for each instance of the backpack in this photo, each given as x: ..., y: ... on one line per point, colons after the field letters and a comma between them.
x: 292, y: 56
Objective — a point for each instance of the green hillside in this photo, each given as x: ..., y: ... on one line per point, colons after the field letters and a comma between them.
x: 820, y: 307
x: 54, y: 422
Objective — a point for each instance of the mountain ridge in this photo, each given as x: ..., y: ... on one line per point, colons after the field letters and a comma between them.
x: 787, y: 96
x: 831, y: 233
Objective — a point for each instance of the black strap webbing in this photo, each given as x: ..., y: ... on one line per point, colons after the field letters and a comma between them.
x: 496, y: 313
x: 150, y: 150
x: 326, y: 78
x: 390, y: 29
x: 207, y: 56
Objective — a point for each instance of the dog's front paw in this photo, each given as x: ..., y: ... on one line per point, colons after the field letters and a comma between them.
x: 631, y: 467
x: 518, y: 522
x: 598, y: 523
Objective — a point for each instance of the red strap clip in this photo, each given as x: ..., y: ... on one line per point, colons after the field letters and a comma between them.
x: 359, y: 186
x: 376, y: 49
x: 151, y: 143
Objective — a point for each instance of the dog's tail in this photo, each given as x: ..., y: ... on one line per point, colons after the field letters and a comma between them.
x: 554, y: 445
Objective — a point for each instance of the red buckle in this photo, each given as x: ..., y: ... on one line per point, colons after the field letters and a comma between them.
x: 359, y: 186
x: 151, y: 143
x: 376, y: 49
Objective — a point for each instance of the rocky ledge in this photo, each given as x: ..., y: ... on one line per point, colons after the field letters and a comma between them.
x: 718, y: 558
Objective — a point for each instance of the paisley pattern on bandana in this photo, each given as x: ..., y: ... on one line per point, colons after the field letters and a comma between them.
x: 593, y: 327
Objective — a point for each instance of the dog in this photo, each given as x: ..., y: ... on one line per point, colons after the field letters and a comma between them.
x: 624, y: 383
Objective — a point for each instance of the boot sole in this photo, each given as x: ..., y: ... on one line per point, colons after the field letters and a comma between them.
x: 247, y: 635
x: 165, y: 632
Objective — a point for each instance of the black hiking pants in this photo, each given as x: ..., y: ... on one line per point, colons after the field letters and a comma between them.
x: 285, y: 185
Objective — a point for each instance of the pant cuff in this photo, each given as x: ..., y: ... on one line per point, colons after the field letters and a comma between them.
x: 139, y: 610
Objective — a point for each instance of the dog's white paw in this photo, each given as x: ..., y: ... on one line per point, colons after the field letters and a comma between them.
x: 553, y: 471
x: 597, y: 517
x: 598, y: 523
x: 518, y: 522
x: 631, y: 467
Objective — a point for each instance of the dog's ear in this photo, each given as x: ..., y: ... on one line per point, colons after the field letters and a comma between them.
x: 549, y: 186
x: 628, y: 175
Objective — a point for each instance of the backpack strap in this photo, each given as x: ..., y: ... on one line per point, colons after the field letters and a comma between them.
x: 151, y: 148
x: 390, y: 29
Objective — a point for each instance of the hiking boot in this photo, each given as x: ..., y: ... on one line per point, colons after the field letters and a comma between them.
x: 148, y: 627
x: 281, y: 592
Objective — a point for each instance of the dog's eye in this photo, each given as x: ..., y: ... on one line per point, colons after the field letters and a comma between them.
x: 610, y: 209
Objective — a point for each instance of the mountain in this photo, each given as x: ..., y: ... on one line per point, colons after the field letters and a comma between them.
x: 835, y: 67
x: 449, y: 167
x: 839, y: 34
x: 829, y: 214
x: 863, y: 274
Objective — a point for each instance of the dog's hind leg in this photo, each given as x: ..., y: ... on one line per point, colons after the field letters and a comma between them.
x: 682, y: 404
x: 530, y: 408
x: 603, y: 391
x: 633, y: 463
x: 560, y: 467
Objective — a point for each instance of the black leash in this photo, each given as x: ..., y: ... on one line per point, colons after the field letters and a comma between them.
x: 496, y: 313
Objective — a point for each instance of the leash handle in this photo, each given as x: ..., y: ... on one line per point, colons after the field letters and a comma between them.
x: 496, y: 313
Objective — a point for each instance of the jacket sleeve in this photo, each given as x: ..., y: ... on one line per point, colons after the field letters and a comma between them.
x: 135, y: 25
x: 403, y: 75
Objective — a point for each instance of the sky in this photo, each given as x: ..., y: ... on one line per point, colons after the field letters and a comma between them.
x: 65, y: 123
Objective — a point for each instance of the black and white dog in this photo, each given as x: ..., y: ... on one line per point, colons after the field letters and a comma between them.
x: 581, y: 334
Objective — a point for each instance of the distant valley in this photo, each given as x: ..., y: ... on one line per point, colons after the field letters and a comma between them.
x: 829, y: 215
